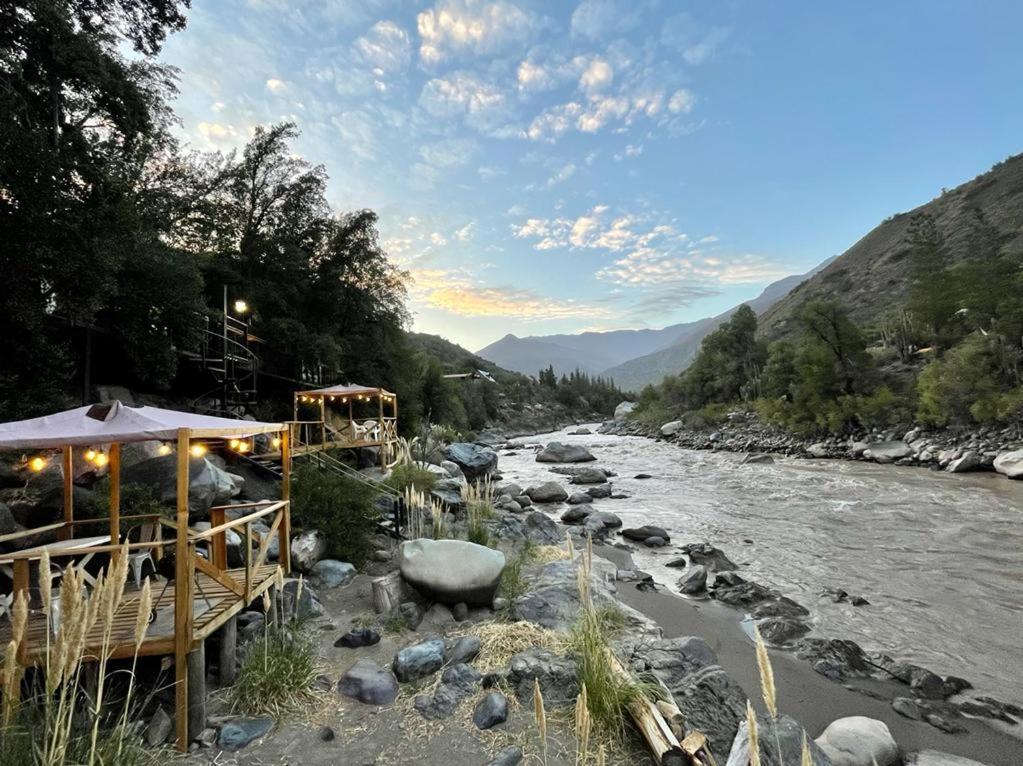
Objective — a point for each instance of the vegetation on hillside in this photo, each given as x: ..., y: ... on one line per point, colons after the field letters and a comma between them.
x: 953, y: 356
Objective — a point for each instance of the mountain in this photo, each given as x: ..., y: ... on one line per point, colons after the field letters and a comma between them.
x: 871, y: 278
x: 452, y: 357
x: 636, y: 373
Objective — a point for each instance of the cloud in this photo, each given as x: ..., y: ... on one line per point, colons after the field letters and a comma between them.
x: 385, y: 48
x: 696, y: 42
x: 667, y: 301
x: 631, y: 150
x: 464, y: 234
x: 455, y: 292
x: 650, y: 266
x: 461, y: 94
x: 563, y: 174
x: 489, y: 172
x: 460, y: 28
x: 276, y: 86
x: 219, y: 135
x: 681, y: 102
x: 449, y: 153
x: 597, y: 19
x: 597, y: 76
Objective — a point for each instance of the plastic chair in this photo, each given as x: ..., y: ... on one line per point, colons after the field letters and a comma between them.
x: 137, y: 559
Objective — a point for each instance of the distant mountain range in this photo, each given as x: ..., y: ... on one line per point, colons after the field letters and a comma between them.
x: 871, y: 279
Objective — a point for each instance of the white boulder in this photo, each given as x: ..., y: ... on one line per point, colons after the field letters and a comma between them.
x: 672, y: 428
x: 936, y: 758
x: 452, y: 571
x: 1010, y: 464
x: 859, y: 741
x: 624, y: 409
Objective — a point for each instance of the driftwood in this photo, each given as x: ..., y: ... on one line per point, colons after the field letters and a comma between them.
x: 387, y: 593
x: 662, y: 726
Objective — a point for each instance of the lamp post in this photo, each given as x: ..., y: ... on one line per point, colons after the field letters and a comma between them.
x: 240, y: 307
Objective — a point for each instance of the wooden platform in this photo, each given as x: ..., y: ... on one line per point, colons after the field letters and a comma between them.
x: 212, y: 606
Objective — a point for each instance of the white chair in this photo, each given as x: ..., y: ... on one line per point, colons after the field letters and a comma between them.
x: 6, y: 602
x: 137, y: 559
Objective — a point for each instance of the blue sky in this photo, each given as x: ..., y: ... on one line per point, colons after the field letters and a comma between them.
x: 605, y: 164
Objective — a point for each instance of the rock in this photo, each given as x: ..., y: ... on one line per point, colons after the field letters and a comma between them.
x: 581, y: 432
x: 448, y: 492
x: 354, y: 639
x: 599, y: 491
x: 713, y: 703
x: 753, y: 458
x: 410, y: 613
x: 782, y: 607
x: 160, y: 728
x: 576, y: 515
x: 452, y: 469
x: 607, y: 519
x: 556, y: 452
x: 694, y: 581
x: 327, y: 734
x: 208, y: 485
x: 556, y: 675
x: 845, y: 658
x: 672, y: 428
x: 510, y: 756
x: 330, y: 573
x: 578, y: 498
x: 859, y: 741
x: 457, y: 683
x: 306, y: 549
x: 888, y: 451
x: 308, y: 605
x: 8, y: 523
x: 460, y: 611
x: 936, y: 758
x: 709, y: 556
x: 588, y: 475
x: 643, y: 476
x: 944, y: 724
x: 655, y: 541
x: 672, y: 659
x: 782, y: 732
x: 639, y: 534
x: 548, y: 492
x: 426, y: 566
x: 908, y: 708
x: 623, y: 410
x: 490, y: 711
x: 464, y: 649
x: 439, y: 615
x: 782, y: 631
x: 818, y: 450
x: 970, y: 461
x: 680, y: 563
x: 240, y: 732
x: 1010, y: 464
x: 419, y: 660
x: 535, y: 526
x: 477, y: 462
x: 369, y: 683
x: 524, y: 501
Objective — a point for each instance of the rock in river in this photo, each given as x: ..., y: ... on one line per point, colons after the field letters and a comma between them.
x: 476, y: 462
x: 548, y: 492
x: 694, y: 581
x: 859, y: 741
x: 426, y: 566
x: 887, y: 452
x: 589, y: 475
x: 709, y: 556
x: 639, y: 534
x: 1010, y: 464
x: 556, y: 452
x: 369, y: 683
x: 578, y: 498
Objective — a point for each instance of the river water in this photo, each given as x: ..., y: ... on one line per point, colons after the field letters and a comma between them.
x: 939, y: 556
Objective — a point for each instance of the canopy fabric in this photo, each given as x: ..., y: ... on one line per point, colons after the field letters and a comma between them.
x: 345, y: 389
x: 117, y: 422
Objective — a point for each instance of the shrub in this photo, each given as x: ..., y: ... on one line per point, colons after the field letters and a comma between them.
x: 411, y: 476
x: 276, y: 675
x: 341, y: 508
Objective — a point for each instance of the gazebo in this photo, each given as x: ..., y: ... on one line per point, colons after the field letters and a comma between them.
x: 353, y: 432
x: 182, y: 620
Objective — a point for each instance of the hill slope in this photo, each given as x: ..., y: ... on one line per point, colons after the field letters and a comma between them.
x: 651, y: 368
x: 871, y: 278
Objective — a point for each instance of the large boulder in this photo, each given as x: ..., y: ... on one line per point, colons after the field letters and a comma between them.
x: 240, y: 732
x: 859, y: 741
x: 640, y: 534
x: 535, y: 526
x: 556, y: 452
x: 477, y: 462
x: 773, y: 734
x: 589, y: 475
x: 970, y: 461
x: 330, y: 573
x: 452, y: 571
x: 709, y: 556
x: 369, y: 683
x: 306, y: 549
x: 1010, y: 464
x: 624, y: 409
x: 548, y: 492
x: 936, y: 758
x: 887, y: 452
x: 713, y: 703
x: 208, y: 485
x: 672, y: 428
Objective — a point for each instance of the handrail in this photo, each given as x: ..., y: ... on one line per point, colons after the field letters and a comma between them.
x: 10, y: 558
x: 239, y: 522
x: 30, y: 532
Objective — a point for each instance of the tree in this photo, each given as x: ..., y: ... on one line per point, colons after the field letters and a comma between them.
x: 729, y: 360
x: 932, y: 293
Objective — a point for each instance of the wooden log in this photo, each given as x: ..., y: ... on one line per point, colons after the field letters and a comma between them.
x: 228, y: 659
x: 196, y: 690
x: 663, y: 744
x: 387, y: 592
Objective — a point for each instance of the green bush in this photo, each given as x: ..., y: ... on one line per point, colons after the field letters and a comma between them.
x: 342, y: 509
x: 276, y: 675
x: 968, y: 384
x: 410, y: 475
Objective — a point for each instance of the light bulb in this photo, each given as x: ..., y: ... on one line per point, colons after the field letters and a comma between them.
x: 100, y: 460
x: 197, y: 450
x: 37, y: 464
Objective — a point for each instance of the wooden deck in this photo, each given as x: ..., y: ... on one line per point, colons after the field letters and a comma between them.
x: 212, y: 605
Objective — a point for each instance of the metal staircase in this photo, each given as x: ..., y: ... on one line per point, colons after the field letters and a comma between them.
x: 225, y: 355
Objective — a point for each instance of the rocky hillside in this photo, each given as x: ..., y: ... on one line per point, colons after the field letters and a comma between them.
x: 871, y: 278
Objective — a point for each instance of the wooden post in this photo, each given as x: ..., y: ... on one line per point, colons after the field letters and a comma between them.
x: 21, y: 586
x: 228, y: 660
x: 115, y: 499
x: 381, y: 429
x: 182, y: 596
x: 323, y: 420
x: 69, y: 495
x: 351, y: 421
x: 218, y: 545
x: 284, y: 531
x: 196, y: 690
x: 387, y: 593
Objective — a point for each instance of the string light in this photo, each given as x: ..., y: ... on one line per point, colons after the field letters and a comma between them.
x: 100, y: 460
x: 233, y: 444
x: 163, y: 449
x: 37, y: 464
x: 276, y: 442
x: 90, y: 455
x: 243, y: 447
x: 197, y: 450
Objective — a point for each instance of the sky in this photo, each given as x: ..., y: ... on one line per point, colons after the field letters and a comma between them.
x: 549, y: 167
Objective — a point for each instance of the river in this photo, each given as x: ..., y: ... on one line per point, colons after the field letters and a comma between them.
x: 939, y: 556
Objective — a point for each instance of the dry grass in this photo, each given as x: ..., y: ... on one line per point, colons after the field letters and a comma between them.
x: 500, y: 641
x: 545, y: 554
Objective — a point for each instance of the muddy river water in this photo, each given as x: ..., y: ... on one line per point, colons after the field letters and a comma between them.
x: 938, y: 556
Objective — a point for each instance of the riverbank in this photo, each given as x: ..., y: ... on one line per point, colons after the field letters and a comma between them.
x: 988, y: 449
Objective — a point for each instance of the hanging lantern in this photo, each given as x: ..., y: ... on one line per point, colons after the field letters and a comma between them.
x: 243, y: 447
x: 233, y: 444
x: 163, y: 449
x: 276, y: 442
x: 90, y: 455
